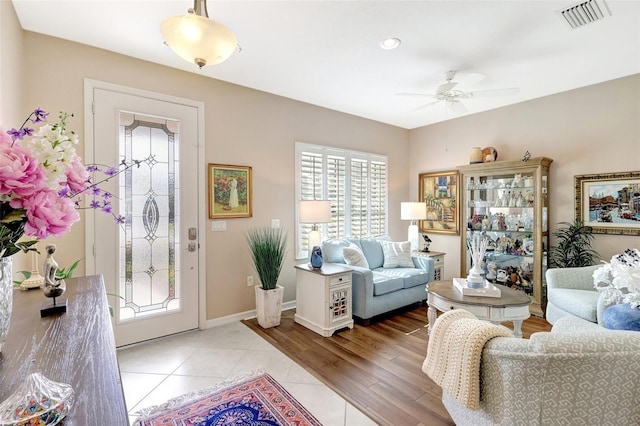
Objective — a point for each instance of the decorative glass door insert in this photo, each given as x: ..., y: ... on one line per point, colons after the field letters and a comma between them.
x: 149, y: 270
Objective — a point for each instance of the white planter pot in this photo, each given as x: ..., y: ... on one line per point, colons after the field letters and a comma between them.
x: 269, y: 306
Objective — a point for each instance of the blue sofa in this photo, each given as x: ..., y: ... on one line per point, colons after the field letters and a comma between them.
x: 376, y: 289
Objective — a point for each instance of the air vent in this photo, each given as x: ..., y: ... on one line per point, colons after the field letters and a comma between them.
x: 585, y: 13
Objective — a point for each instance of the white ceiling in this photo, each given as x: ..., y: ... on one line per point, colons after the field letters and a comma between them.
x: 326, y: 52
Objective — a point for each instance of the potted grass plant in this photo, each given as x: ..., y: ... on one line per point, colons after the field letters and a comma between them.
x: 268, y: 248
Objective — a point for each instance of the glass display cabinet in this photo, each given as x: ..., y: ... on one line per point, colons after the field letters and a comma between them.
x: 507, y: 203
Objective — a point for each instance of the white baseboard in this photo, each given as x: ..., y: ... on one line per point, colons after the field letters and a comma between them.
x: 216, y: 322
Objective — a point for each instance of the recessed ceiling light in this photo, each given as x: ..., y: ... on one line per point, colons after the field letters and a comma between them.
x: 390, y: 43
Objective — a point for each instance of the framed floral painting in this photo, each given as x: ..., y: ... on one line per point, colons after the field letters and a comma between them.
x: 439, y: 191
x: 609, y: 203
x: 230, y: 191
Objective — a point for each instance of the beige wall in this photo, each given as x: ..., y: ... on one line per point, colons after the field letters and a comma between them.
x: 242, y: 127
x: 590, y: 130
x: 595, y: 129
x: 10, y: 66
x: 11, y: 84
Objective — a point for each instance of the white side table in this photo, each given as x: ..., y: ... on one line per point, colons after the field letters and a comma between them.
x: 438, y: 262
x: 323, y: 298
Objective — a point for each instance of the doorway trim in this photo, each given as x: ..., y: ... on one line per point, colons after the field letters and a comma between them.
x: 89, y: 137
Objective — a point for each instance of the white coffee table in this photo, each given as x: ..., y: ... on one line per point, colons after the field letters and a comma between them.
x: 512, y: 305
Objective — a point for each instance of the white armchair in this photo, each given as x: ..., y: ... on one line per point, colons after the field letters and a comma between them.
x: 577, y: 374
x: 570, y: 292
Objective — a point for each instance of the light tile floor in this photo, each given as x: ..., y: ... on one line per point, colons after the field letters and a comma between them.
x: 155, y: 371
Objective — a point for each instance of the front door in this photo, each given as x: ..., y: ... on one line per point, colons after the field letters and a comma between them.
x: 150, y: 261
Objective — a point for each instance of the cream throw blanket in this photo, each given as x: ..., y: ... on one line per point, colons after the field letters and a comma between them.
x: 454, y: 352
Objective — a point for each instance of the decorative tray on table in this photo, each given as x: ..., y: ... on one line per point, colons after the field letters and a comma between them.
x: 489, y: 290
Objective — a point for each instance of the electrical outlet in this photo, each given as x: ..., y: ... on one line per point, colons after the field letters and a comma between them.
x: 275, y: 223
x: 250, y: 281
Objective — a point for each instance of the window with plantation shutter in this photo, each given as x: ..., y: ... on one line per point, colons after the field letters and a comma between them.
x: 354, y: 182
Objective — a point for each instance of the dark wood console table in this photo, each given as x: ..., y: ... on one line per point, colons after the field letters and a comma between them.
x: 76, y: 347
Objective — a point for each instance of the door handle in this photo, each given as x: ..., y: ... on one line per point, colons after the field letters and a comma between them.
x: 191, y: 247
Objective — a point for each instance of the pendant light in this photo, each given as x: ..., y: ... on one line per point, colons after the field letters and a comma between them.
x: 196, y: 38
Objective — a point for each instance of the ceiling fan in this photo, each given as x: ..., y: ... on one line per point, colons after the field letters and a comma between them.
x: 449, y: 92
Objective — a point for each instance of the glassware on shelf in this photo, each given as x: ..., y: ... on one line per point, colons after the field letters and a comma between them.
x: 508, y: 204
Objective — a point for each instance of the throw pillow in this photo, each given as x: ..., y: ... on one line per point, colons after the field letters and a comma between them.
x: 354, y: 256
x: 397, y: 255
x: 332, y: 250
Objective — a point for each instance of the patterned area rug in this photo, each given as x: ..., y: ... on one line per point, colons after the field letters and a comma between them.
x: 254, y: 400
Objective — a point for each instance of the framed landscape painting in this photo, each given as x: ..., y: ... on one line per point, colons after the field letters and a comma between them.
x: 230, y: 191
x: 609, y: 203
x: 439, y: 191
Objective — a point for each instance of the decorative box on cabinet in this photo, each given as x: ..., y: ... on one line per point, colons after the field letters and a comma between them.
x: 323, y: 298
x: 507, y: 202
x: 438, y: 262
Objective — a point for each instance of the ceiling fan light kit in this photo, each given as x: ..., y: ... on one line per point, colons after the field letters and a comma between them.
x: 196, y: 38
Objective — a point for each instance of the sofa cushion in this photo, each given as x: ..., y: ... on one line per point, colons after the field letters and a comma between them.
x: 383, y: 284
x: 372, y: 251
x: 354, y: 256
x: 411, y: 276
x: 581, y: 303
x: 396, y: 255
x: 332, y: 250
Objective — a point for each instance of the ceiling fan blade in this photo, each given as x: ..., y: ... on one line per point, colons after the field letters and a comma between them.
x: 471, y: 78
x: 445, y: 87
x: 457, y: 107
x: 492, y: 92
x: 426, y: 105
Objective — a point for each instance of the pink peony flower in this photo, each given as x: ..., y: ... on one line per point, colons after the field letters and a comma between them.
x: 47, y: 214
x: 20, y: 173
x: 77, y: 176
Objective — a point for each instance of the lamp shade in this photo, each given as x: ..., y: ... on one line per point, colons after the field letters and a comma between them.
x: 413, y: 211
x: 315, y: 211
x: 198, y: 39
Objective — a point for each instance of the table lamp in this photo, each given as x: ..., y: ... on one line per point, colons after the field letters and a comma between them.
x: 314, y: 212
x: 413, y: 211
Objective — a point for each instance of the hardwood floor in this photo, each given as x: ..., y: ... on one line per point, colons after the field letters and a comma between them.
x: 377, y: 368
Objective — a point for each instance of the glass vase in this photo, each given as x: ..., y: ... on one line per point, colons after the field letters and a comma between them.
x: 6, y: 297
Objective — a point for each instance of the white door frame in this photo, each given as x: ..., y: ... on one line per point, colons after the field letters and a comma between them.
x: 89, y: 86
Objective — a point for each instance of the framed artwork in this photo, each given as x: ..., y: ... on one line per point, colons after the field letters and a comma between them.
x: 230, y: 191
x: 609, y: 203
x: 439, y: 191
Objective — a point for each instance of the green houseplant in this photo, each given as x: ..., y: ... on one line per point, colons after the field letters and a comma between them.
x: 268, y: 247
x: 573, y: 247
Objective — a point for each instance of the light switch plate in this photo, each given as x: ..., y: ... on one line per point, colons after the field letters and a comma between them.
x: 219, y: 225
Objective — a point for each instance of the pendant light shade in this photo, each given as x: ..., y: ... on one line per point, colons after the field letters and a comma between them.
x: 196, y: 38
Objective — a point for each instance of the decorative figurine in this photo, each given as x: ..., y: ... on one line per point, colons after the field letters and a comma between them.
x: 427, y: 241
x: 53, y: 286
